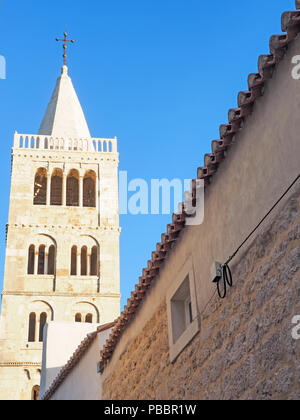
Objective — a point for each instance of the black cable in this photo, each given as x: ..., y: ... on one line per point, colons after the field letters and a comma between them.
x: 227, y: 280
x: 226, y: 272
x: 260, y: 223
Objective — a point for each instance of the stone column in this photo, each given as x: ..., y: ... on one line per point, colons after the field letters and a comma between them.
x: 80, y: 191
x: 64, y: 189
x: 48, y: 189
x: 89, y: 264
x: 36, y: 261
x: 78, y: 267
x: 97, y: 195
x: 46, y: 260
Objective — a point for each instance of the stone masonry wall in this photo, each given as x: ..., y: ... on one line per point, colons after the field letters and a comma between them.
x: 244, y: 349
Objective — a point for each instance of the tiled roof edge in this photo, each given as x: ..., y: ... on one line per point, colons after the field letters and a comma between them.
x: 290, y: 23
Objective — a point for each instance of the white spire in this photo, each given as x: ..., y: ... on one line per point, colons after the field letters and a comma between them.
x: 64, y: 116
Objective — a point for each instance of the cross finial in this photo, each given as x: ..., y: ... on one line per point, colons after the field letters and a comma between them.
x: 65, y: 40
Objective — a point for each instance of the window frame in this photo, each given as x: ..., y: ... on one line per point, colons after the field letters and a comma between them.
x: 31, y: 260
x: 32, y: 327
x: 74, y: 265
x: 42, y: 323
x: 89, y: 186
x: 84, y: 266
x: 177, y: 343
x: 56, y: 185
x: 40, y: 187
x: 73, y: 182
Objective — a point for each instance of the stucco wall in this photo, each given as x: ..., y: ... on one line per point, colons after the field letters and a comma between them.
x: 261, y: 164
x: 84, y: 382
x: 244, y: 349
x: 60, y: 341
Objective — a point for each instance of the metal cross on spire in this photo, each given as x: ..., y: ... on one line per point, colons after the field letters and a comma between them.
x: 65, y: 40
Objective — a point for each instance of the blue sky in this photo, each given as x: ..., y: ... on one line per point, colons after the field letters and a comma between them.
x: 160, y: 75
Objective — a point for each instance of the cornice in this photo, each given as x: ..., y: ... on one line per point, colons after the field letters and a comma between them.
x: 61, y: 294
x: 66, y: 156
x: 67, y: 227
x: 20, y: 364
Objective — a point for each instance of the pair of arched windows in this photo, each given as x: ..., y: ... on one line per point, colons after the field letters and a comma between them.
x: 83, y: 262
x: 36, y: 327
x: 88, y: 319
x: 41, y: 260
x: 71, y: 195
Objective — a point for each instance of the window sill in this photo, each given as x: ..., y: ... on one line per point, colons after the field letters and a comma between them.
x: 184, y: 340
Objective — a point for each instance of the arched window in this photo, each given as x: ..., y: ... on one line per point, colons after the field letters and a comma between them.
x: 31, y: 255
x: 31, y: 330
x: 94, y: 261
x: 73, y: 188
x: 85, y: 312
x: 35, y: 393
x: 74, y: 261
x: 56, y: 188
x: 78, y: 318
x: 89, y: 319
x: 40, y: 187
x: 89, y: 189
x: 43, y: 320
x: 41, y: 260
x: 84, y: 261
x: 51, y: 260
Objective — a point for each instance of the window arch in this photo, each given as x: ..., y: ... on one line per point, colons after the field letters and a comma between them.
x: 78, y: 318
x: 85, y: 312
x: 56, y: 188
x: 51, y: 260
x: 89, y: 189
x: 40, y: 187
x: 73, y: 188
x: 41, y: 260
x: 83, y: 261
x: 85, y: 257
x: 42, y: 256
x: 94, y: 261
x: 40, y: 313
x: 31, y: 257
x: 89, y: 319
x: 32, y: 325
x: 74, y: 261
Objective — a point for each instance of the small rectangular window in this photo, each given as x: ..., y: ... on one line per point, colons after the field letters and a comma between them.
x: 183, y: 322
x: 180, y: 309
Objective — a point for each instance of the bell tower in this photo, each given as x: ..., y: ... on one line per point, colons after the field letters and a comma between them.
x: 62, y: 250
